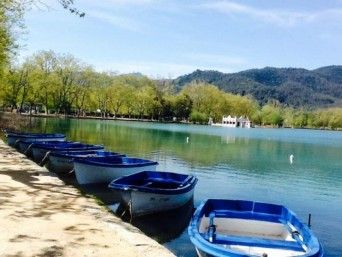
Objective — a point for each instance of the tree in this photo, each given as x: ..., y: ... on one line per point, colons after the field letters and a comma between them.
x: 45, y: 65
x: 11, y: 14
x: 182, y: 106
x: 83, y: 88
x: 17, y: 82
x: 70, y: 5
x: 271, y: 115
x: 205, y: 98
x: 11, y: 25
x: 68, y: 68
x: 144, y: 101
x: 198, y: 117
x: 118, y: 92
x: 101, y: 93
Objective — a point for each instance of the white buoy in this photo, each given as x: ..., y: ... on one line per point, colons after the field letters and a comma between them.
x: 291, y: 158
x: 187, y: 140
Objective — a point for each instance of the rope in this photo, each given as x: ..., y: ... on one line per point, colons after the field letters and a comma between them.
x: 44, y: 160
x: 70, y: 172
x: 28, y: 148
x: 130, y: 208
x: 16, y: 142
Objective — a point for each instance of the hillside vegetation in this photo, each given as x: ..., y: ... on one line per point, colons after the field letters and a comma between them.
x: 61, y: 84
x: 289, y: 86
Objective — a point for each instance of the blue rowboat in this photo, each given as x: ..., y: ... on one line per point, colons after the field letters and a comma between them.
x: 244, y: 228
x: 13, y: 138
x: 149, y: 192
x: 63, y: 162
x: 25, y: 147
x: 104, y: 169
x: 41, y: 151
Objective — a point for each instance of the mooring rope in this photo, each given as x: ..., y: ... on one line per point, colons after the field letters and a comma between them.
x: 44, y: 160
x: 28, y: 148
x: 70, y: 172
x: 16, y: 142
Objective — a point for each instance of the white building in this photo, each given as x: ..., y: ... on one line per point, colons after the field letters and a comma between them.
x: 234, y: 122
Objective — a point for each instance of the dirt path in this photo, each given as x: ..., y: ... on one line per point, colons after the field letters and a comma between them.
x: 41, y: 216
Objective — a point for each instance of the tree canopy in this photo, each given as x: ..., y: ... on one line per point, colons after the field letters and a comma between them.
x: 62, y: 84
x: 53, y: 83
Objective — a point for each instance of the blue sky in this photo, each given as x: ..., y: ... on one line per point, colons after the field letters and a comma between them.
x: 162, y: 38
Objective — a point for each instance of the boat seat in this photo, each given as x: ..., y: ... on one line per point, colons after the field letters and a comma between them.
x: 216, y: 238
x: 245, y: 215
x: 256, y: 242
x: 160, y: 184
x: 162, y: 180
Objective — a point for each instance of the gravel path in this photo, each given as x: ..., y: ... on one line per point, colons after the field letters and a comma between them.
x: 41, y: 216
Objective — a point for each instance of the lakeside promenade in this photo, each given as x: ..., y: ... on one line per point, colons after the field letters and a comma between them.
x: 41, y: 216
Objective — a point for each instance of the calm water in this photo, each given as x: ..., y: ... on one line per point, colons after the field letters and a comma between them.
x: 248, y: 164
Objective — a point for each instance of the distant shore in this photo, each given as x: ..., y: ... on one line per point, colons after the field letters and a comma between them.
x: 62, y: 116
x: 41, y: 216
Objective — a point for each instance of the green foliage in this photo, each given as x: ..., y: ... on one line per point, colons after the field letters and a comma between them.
x: 198, y: 117
x: 290, y: 86
x: 212, y: 102
x: 61, y: 84
x: 11, y: 26
x: 328, y: 118
x: 271, y: 115
x: 11, y: 14
x: 182, y: 106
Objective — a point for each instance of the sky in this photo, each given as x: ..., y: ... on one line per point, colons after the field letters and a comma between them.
x: 168, y: 38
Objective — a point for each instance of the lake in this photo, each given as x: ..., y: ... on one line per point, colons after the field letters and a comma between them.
x: 251, y: 164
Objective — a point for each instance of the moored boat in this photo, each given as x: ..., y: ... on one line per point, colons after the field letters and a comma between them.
x: 105, y: 169
x: 149, y: 192
x: 13, y: 137
x: 63, y: 162
x: 41, y: 151
x: 245, y: 228
x: 25, y: 147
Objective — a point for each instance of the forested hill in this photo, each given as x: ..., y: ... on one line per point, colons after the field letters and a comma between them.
x: 290, y: 86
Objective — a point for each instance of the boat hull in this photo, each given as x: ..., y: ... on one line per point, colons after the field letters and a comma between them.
x: 13, y: 140
x: 39, y: 153
x: 142, y: 203
x: 63, y: 162
x: 89, y: 174
x: 60, y: 165
x: 23, y: 146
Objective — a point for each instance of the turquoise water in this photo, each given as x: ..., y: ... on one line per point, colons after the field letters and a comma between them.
x: 232, y: 163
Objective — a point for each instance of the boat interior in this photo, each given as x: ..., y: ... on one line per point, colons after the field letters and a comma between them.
x: 155, y: 180
x: 250, y: 236
x: 158, y: 184
x: 95, y: 153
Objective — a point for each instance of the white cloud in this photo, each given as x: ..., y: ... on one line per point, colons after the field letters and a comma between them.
x: 274, y: 16
x: 117, y: 21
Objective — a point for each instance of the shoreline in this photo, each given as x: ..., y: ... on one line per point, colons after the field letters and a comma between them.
x: 62, y: 116
x: 42, y: 216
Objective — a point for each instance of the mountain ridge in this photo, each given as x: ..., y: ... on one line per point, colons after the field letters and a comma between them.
x: 297, y: 87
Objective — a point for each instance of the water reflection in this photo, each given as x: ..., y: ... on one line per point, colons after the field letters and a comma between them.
x: 162, y: 226
x: 235, y: 164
